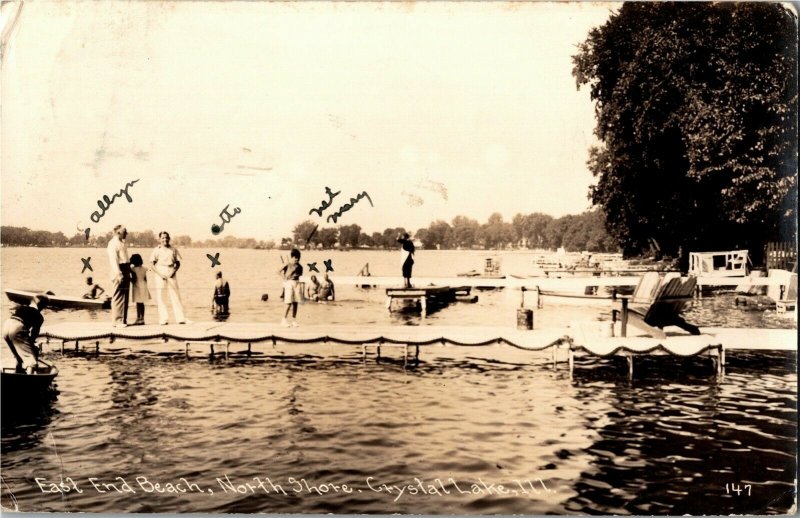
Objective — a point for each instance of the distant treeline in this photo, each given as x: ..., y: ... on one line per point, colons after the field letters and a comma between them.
x: 573, y: 232
x: 22, y: 236
x: 526, y: 231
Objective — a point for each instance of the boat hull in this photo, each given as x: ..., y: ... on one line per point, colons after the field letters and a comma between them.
x: 58, y: 302
x: 18, y: 385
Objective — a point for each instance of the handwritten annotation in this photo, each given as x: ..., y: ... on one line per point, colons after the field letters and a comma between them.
x: 312, y: 267
x: 105, y: 206
x: 342, y: 209
x: 226, y: 217
x: 214, y: 259
x: 87, y: 264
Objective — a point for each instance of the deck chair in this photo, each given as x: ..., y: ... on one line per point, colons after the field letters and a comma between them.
x: 657, y: 303
x: 789, y: 299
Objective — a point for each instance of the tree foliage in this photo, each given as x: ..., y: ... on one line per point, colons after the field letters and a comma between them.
x: 695, y: 108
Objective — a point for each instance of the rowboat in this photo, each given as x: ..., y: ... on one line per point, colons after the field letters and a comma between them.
x: 19, y: 384
x: 491, y: 271
x: 56, y: 301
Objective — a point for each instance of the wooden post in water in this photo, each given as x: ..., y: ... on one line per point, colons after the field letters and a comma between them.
x: 624, y: 318
x: 571, y: 360
x: 629, y: 357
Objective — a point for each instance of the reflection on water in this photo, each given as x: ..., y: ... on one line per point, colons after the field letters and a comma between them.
x: 300, y: 422
x: 667, y: 444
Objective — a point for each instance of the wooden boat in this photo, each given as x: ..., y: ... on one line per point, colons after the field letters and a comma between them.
x: 491, y: 270
x: 57, y: 301
x: 16, y: 384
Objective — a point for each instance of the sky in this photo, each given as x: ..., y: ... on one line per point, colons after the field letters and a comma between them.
x: 433, y: 109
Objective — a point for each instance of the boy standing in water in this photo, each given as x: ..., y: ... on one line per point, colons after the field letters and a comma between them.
x: 407, y: 257
x: 292, y: 290
x: 222, y: 293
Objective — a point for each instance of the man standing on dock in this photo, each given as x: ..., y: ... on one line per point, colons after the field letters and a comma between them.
x: 407, y: 257
x: 120, y: 276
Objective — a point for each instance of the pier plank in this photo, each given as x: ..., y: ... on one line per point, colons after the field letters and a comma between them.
x: 345, y: 334
x: 583, y: 334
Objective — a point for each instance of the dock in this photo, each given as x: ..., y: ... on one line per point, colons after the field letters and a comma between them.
x: 592, y: 338
x: 426, y: 296
x: 219, y: 337
x: 543, y: 283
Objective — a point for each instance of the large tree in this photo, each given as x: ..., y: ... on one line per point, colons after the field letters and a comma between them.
x: 696, y: 109
x: 348, y: 235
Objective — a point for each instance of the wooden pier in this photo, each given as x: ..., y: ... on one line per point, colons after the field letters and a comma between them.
x: 598, y: 339
x: 426, y: 296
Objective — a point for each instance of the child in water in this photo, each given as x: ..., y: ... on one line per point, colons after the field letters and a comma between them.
x: 313, y: 289
x: 292, y: 289
x: 95, y: 291
x: 326, y: 290
x: 139, y: 292
x: 222, y: 293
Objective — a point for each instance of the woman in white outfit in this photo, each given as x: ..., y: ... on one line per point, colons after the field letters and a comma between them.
x: 166, y: 262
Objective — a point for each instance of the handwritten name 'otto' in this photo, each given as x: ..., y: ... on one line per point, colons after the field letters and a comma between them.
x: 226, y: 217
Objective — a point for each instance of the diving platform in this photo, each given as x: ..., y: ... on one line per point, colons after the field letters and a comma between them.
x: 599, y: 339
x: 426, y: 296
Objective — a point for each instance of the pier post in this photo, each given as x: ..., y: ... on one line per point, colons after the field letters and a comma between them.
x: 389, y: 303
x: 97, y: 347
x: 212, y: 349
x: 249, y: 350
x: 63, y: 342
x: 629, y: 357
x: 187, y: 349
x: 424, y: 304
x: 76, y: 346
x: 227, y: 349
x: 416, y: 356
x: 364, y: 352
x: 571, y: 360
x: 555, y: 348
x: 624, y: 319
x: 405, y: 356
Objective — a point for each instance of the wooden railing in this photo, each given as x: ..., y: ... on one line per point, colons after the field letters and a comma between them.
x: 780, y: 255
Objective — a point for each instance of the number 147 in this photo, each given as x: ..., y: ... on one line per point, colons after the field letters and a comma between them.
x: 738, y: 489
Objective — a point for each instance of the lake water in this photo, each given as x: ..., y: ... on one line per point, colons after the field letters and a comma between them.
x: 314, y: 429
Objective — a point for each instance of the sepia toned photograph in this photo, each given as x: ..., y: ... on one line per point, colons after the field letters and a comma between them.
x: 417, y: 258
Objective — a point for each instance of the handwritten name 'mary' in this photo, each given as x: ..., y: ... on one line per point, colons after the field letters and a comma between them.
x: 344, y: 208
